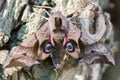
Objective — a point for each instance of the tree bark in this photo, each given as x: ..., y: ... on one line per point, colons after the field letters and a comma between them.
x: 21, y: 18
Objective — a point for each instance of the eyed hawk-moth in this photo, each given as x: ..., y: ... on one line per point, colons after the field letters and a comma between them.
x: 56, y: 38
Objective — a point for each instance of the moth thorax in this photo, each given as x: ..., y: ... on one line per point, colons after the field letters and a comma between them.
x: 58, y: 36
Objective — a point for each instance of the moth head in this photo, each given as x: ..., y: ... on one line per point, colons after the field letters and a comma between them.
x: 58, y: 25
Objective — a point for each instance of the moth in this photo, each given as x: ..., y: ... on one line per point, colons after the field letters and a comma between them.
x: 55, y: 38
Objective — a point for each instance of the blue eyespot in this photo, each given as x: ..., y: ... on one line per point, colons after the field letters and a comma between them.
x: 48, y: 47
x: 69, y: 47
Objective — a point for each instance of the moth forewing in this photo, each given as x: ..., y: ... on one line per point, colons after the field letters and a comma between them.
x: 30, y: 41
x: 21, y: 56
x: 74, y: 32
x: 97, y: 53
x: 43, y: 33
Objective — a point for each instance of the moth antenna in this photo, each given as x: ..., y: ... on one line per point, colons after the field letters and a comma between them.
x: 44, y: 7
x: 76, y: 10
x: 44, y: 17
x: 47, y: 13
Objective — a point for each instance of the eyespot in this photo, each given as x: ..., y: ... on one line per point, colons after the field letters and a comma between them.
x: 69, y: 47
x: 48, y: 48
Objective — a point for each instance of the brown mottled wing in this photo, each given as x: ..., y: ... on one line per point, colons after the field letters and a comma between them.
x: 43, y: 36
x: 74, y: 34
x: 30, y: 51
x: 97, y: 53
x: 29, y: 42
x: 23, y: 55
